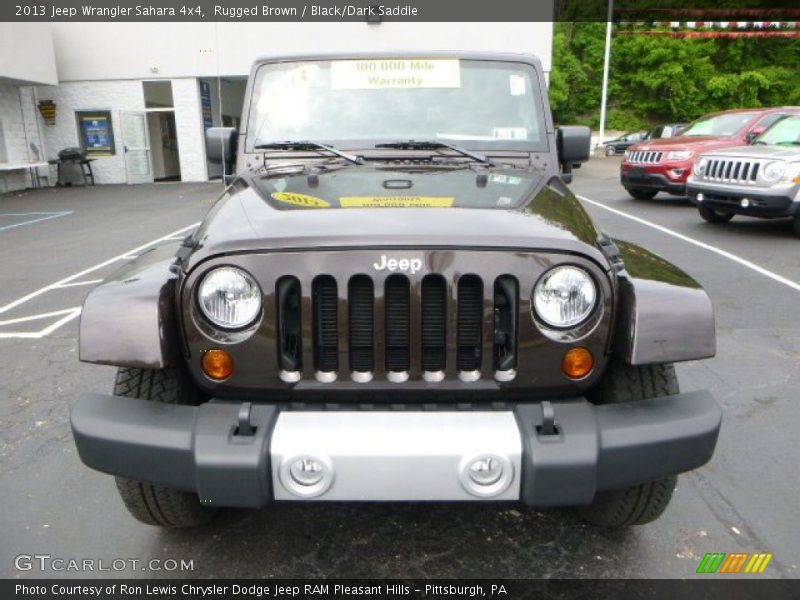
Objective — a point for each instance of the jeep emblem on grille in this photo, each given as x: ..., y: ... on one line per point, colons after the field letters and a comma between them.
x: 412, y: 265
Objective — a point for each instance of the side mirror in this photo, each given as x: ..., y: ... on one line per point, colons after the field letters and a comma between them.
x: 574, y: 145
x: 753, y: 134
x: 221, y: 149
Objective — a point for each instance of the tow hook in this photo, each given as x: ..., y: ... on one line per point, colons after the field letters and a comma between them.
x: 548, y: 426
x: 244, y: 426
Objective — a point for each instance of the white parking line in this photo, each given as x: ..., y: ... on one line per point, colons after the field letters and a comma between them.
x: 71, y: 313
x: 724, y: 253
x: 45, y: 217
x: 55, y: 313
x: 96, y: 267
x: 79, y: 283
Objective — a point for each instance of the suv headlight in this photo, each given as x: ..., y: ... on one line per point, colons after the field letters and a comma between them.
x: 773, y: 171
x: 701, y: 165
x: 679, y: 154
x: 229, y: 297
x: 564, y: 296
x: 792, y: 173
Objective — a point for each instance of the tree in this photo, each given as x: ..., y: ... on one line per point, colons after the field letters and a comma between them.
x: 666, y: 79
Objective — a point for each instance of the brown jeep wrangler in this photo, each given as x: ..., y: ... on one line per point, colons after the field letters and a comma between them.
x: 397, y: 298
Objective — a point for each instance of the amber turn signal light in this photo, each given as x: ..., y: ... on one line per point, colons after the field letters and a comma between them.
x: 577, y: 363
x: 217, y: 364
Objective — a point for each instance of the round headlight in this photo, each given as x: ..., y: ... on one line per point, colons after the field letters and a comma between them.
x: 774, y: 171
x: 229, y: 297
x: 700, y: 167
x: 564, y: 296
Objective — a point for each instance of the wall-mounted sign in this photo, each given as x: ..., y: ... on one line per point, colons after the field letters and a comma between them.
x: 96, y: 132
x: 47, y: 108
x: 205, y: 103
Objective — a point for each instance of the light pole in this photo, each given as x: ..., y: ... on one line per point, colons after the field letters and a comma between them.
x: 606, y: 61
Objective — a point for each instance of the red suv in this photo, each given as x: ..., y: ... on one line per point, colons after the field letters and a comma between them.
x: 664, y: 164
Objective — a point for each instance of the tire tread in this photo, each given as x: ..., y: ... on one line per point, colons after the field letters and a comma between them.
x: 639, y: 504
x: 149, y: 503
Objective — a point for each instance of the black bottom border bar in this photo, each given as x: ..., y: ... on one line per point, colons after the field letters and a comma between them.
x: 710, y: 588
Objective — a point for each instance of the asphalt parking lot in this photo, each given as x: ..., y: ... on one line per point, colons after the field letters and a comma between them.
x: 56, y: 244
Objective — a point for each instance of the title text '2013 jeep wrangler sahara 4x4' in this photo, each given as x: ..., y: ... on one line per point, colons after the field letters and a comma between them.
x: 397, y: 299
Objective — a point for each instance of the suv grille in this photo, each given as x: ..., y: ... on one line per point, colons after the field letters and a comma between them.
x: 414, y: 324
x: 733, y: 171
x: 645, y: 157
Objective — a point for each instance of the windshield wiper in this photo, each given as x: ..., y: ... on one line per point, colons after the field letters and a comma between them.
x: 308, y: 145
x: 436, y: 145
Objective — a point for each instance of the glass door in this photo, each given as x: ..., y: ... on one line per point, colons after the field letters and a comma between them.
x: 136, y: 142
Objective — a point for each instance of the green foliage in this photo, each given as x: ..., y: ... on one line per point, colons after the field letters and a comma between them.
x: 663, y: 79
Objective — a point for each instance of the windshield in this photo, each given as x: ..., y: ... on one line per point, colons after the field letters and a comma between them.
x: 783, y: 131
x: 484, y: 105
x: 722, y: 125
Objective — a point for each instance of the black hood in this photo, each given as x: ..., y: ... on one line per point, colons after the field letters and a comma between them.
x: 420, y: 208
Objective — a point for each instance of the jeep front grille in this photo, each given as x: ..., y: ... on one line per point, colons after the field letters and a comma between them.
x: 325, y: 306
x: 470, y: 308
x: 398, y: 324
x: 434, y: 323
x: 732, y: 171
x: 648, y: 157
x: 361, y: 310
x: 414, y: 325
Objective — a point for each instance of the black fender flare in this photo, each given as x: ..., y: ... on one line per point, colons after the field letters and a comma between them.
x: 129, y: 320
x: 664, y: 315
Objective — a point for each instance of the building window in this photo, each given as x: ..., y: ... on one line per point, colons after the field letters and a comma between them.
x: 157, y: 94
x: 96, y: 132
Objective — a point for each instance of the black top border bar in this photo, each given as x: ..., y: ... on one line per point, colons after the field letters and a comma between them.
x: 376, y: 11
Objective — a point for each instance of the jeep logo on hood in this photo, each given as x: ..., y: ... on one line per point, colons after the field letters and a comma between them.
x: 412, y: 265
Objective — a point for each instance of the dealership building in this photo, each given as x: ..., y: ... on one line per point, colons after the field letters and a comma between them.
x: 137, y: 97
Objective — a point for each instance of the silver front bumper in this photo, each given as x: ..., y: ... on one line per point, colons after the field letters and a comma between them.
x: 396, y: 455
x: 543, y: 454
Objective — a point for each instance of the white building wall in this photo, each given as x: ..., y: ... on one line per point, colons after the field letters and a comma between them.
x: 118, y: 96
x: 73, y: 96
x: 26, y: 53
x: 33, y: 126
x: 189, y: 126
x: 17, y: 135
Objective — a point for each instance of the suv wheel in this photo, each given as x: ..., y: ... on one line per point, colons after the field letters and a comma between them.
x: 797, y: 224
x: 156, y: 504
x: 714, y: 216
x: 610, y: 151
x: 638, y: 504
x: 642, y: 194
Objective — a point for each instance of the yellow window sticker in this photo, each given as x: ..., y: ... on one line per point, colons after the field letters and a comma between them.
x: 301, y: 200
x: 396, y: 201
x: 395, y: 73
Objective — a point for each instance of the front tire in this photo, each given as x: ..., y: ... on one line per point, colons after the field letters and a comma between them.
x: 641, y: 193
x: 156, y: 504
x: 638, y: 504
x: 797, y: 225
x: 713, y: 216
